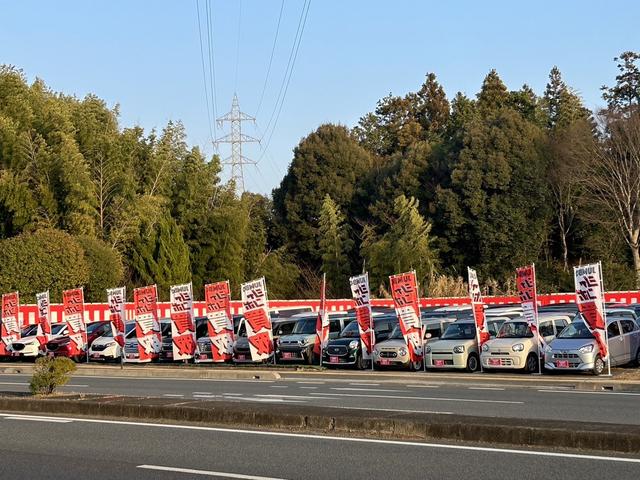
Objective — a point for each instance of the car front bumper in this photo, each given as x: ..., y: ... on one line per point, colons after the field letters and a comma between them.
x: 569, y: 361
x: 444, y: 360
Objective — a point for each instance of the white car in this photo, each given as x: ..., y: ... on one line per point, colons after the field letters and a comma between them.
x: 28, y: 346
x: 106, y: 349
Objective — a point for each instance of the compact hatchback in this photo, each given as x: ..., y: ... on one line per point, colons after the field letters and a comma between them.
x: 60, y: 346
x: 29, y: 346
x: 516, y: 346
x: 575, y: 348
x: 458, y: 347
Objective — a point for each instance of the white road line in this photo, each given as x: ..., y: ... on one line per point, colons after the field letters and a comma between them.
x: 591, y: 393
x: 367, y: 390
x: 233, y: 394
x: 207, y: 396
x: 348, y: 439
x: 172, y: 395
x: 486, y: 388
x: 423, y: 386
x: 312, y: 383
x: 365, y: 384
x: 37, y: 419
x: 304, y: 397
x: 205, y: 472
x: 389, y: 410
x: 269, y: 400
x: 278, y: 386
x: 442, y: 399
x: 202, y: 393
x: 308, y: 388
x: 14, y: 383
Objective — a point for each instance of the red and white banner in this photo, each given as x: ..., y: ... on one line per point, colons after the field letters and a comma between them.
x: 73, y: 315
x: 148, y: 334
x: 183, y: 330
x: 116, y: 298
x: 44, y: 318
x: 362, y: 297
x: 258, y: 320
x: 10, y: 328
x: 477, y: 305
x: 217, y: 297
x: 590, y: 300
x: 528, y: 294
x: 322, y: 323
x: 404, y: 290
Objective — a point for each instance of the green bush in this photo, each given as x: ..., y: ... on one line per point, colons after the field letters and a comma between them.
x: 43, y: 260
x: 49, y: 374
x: 105, y: 268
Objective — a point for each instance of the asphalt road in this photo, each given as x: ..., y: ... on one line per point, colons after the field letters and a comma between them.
x: 532, y: 401
x: 66, y: 447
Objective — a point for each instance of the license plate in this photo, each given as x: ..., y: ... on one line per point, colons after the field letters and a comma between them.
x: 241, y: 357
x: 95, y: 355
x: 438, y: 363
x: 288, y: 355
x: 169, y: 354
x: 385, y: 361
x: 494, y: 361
x: 334, y: 360
x: 202, y: 356
x: 562, y: 363
x: 131, y: 355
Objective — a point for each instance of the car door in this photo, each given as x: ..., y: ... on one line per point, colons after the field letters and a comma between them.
x: 629, y: 333
x: 616, y: 343
x: 546, y: 331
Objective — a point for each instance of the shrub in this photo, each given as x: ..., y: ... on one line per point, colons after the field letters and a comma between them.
x: 49, y: 374
x: 105, y: 268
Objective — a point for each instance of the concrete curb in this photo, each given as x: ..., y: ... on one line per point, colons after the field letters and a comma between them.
x: 377, y: 424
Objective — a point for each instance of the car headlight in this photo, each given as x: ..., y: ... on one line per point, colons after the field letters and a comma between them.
x: 427, y: 349
x: 402, y: 351
x: 518, y: 347
x: 485, y: 348
x: 458, y: 349
x: 586, y: 348
x: 353, y: 344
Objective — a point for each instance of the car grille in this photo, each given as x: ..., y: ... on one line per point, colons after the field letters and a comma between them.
x: 505, y: 352
x: 18, y: 347
x: 434, y: 352
x: 337, y: 350
x: 565, y: 355
x: 129, y: 348
x: 504, y: 362
x: 388, y: 355
x: 98, y: 348
x: 52, y: 347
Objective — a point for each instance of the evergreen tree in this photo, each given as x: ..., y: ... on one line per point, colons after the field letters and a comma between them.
x: 335, y: 245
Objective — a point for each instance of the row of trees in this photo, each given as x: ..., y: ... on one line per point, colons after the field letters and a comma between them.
x: 422, y: 182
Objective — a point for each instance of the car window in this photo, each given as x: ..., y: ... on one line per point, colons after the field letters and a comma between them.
x: 57, y: 328
x: 493, y: 328
x: 546, y: 329
x: 560, y: 324
x: 613, y: 330
x: 434, y: 331
x: 202, y: 330
x: 459, y: 331
x: 628, y: 326
x: 576, y: 329
x: 166, y: 329
x: 334, y: 326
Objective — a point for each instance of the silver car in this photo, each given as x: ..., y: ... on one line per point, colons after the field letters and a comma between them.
x: 575, y: 348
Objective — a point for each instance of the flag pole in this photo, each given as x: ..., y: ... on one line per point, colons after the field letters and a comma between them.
x: 535, y: 310
x: 604, y: 318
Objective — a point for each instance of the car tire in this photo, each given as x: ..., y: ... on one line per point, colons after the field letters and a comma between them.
x: 598, y: 366
x: 416, y: 366
x: 473, y: 364
x: 532, y: 364
x: 360, y: 362
x: 637, y: 360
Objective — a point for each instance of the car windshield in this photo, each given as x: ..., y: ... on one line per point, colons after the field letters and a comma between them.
x: 305, y: 326
x: 30, y: 330
x: 459, y: 331
x: 396, y: 334
x: 575, y: 330
x: 515, y: 330
x: 351, y: 331
x: 57, y: 328
x: 92, y: 327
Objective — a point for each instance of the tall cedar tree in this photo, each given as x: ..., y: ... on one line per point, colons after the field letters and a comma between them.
x: 335, y: 245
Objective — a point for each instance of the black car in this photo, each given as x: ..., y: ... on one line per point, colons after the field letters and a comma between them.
x: 346, y: 350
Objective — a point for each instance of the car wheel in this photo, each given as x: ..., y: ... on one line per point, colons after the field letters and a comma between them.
x: 360, y: 363
x: 598, y: 366
x: 416, y: 366
x: 532, y: 364
x: 472, y: 363
x: 637, y: 360
x: 311, y: 358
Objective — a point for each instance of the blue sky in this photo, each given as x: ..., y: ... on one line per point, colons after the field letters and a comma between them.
x: 145, y: 56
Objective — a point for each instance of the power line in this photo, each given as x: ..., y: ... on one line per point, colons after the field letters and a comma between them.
x: 238, y: 44
x: 204, y: 73
x: 273, y: 49
x: 212, y: 65
x: 292, y: 59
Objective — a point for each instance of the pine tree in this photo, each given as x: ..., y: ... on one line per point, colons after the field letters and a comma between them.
x: 335, y: 244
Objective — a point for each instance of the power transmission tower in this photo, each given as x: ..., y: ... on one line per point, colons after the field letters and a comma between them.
x: 236, y: 138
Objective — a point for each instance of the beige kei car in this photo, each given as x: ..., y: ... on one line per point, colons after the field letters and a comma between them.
x: 516, y: 346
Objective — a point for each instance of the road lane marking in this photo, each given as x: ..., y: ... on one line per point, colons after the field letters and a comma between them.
x: 278, y: 386
x: 38, y: 419
x: 207, y: 473
x: 423, y: 386
x: 401, y: 410
x: 365, y: 384
x: 308, y: 388
x: 233, y: 394
x: 591, y: 393
x: 23, y: 384
x: 312, y: 383
x: 269, y: 400
x: 305, y: 397
x: 203, y: 393
x: 376, y: 441
x: 443, y: 399
x: 486, y: 388
x: 173, y: 395
x: 367, y: 390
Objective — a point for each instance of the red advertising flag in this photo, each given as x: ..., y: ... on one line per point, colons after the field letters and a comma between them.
x: 183, y: 330
x: 477, y: 304
x: 526, y: 283
x: 10, y: 327
x: 116, y: 298
x: 73, y: 315
x: 590, y: 300
x: 258, y: 321
x: 217, y: 298
x: 404, y: 290
x: 322, y: 322
x: 361, y: 294
x: 148, y: 334
x: 44, y: 319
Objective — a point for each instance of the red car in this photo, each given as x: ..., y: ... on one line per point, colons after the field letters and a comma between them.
x: 59, y: 347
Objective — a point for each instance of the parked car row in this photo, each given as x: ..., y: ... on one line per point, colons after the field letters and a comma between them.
x: 563, y: 343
